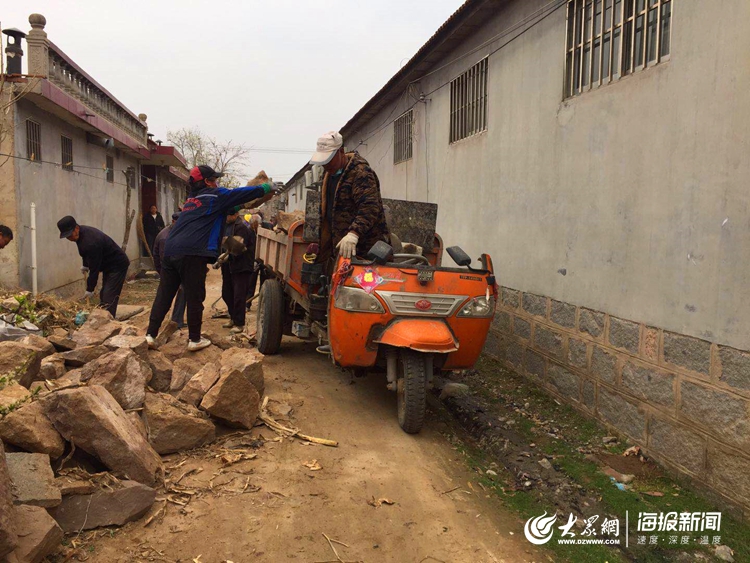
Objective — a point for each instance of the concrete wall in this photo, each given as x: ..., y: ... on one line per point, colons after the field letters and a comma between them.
x: 620, y: 218
x: 84, y: 193
x: 626, y: 188
x: 8, y: 172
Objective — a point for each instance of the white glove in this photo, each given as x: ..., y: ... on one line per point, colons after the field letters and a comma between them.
x: 84, y: 270
x: 88, y: 295
x: 347, y: 247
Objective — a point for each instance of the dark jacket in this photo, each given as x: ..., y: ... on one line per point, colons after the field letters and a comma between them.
x: 152, y: 225
x: 100, y: 254
x: 158, y: 252
x: 245, y: 261
x: 198, y: 230
x: 357, y: 207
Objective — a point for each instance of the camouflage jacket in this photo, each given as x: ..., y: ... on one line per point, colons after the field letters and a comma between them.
x: 357, y: 207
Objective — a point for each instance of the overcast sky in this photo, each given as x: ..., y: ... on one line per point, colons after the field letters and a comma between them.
x: 273, y: 73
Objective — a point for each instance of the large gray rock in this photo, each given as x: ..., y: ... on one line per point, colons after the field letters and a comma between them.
x: 137, y: 344
x: 13, y: 395
x: 104, y: 508
x: 20, y: 361
x: 123, y: 373
x: 249, y: 362
x: 162, y: 370
x: 82, y: 355
x: 96, y: 423
x: 182, y: 371
x: 199, y: 384
x: 33, y: 480
x: 38, y: 343
x: 233, y: 399
x: 174, y: 426
x: 30, y: 429
x: 38, y: 534
x: 62, y: 341
x: 8, y: 536
x: 52, y: 367
x: 98, y: 327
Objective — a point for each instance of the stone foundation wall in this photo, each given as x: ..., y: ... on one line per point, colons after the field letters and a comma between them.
x: 686, y: 401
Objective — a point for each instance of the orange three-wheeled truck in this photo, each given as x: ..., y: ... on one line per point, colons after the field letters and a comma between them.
x: 402, y: 312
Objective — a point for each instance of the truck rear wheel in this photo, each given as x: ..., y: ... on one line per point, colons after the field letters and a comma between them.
x: 411, y: 390
x: 270, y: 323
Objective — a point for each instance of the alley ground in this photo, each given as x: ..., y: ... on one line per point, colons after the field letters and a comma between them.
x: 388, y: 496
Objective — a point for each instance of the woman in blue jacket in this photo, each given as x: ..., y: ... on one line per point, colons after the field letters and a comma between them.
x: 193, y: 243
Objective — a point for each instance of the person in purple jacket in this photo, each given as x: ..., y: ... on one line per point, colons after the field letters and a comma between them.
x: 194, y: 242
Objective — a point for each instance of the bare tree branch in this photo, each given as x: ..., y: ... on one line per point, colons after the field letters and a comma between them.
x: 229, y: 158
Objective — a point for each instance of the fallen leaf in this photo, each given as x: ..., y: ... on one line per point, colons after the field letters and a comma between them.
x: 313, y: 465
x: 653, y: 493
x: 380, y: 502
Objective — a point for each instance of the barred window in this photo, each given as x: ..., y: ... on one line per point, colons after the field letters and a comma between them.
x: 402, y: 137
x: 110, y: 169
x: 469, y: 102
x: 33, y: 140
x: 67, y: 153
x: 608, y: 39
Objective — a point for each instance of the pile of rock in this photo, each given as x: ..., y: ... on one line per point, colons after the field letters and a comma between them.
x: 101, y: 391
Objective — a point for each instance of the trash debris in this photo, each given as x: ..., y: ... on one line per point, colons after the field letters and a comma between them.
x: 617, y: 476
x: 313, y: 465
x: 381, y: 501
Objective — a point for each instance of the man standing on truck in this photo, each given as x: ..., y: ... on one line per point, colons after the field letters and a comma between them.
x: 193, y: 243
x: 352, y: 218
x: 237, y: 271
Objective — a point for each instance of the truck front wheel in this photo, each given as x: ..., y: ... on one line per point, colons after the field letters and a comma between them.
x: 411, y: 390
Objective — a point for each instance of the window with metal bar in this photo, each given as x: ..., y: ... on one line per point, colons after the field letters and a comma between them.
x: 402, y: 137
x: 608, y: 39
x: 33, y: 140
x: 67, y: 153
x: 469, y: 102
x: 110, y: 169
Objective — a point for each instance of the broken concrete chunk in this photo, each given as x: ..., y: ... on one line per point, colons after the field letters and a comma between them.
x: 137, y: 420
x: 19, y: 361
x: 220, y: 340
x: 38, y: 343
x: 52, y: 367
x: 123, y: 373
x: 38, y: 534
x: 98, y: 327
x: 177, y: 348
x: 174, y: 426
x: 32, y: 479
x: 62, y: 342
x: 137, y: 344
x: 199, y: 384
x: 96, y: 423
x: 233, y: 399
x: 162, y: 370
x: 104, y: 508
x: 182, y: 371
x: 545, y: 463
x: 72, y: 486
x: 30, y: 429
x: 249, y: 362
x: 13, y: 395
x: 82, y: 355
x: 8, y: 537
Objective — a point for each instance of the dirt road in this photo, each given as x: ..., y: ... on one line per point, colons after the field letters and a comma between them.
x: 286, y: 507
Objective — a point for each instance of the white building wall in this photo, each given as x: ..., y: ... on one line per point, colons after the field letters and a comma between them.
x: 84, y: 193
x: 637, y: 191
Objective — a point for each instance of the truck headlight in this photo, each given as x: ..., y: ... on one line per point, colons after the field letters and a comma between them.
x: 478, y: 307
x: 357, y: 300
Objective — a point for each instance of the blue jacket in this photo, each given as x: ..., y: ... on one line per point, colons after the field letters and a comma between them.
x: 198, y: 230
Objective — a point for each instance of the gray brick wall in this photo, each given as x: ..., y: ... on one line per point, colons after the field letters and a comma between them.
x: 685, y: 400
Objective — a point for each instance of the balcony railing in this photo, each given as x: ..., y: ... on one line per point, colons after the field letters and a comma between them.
x: 68, y: 76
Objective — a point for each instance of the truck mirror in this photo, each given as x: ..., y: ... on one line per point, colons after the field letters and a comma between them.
x: 380, y: 252
x: 459, y: 256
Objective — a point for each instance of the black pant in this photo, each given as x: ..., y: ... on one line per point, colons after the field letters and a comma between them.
x: 234, y: 288
x: 190, y: 272
x: 112, y: 283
